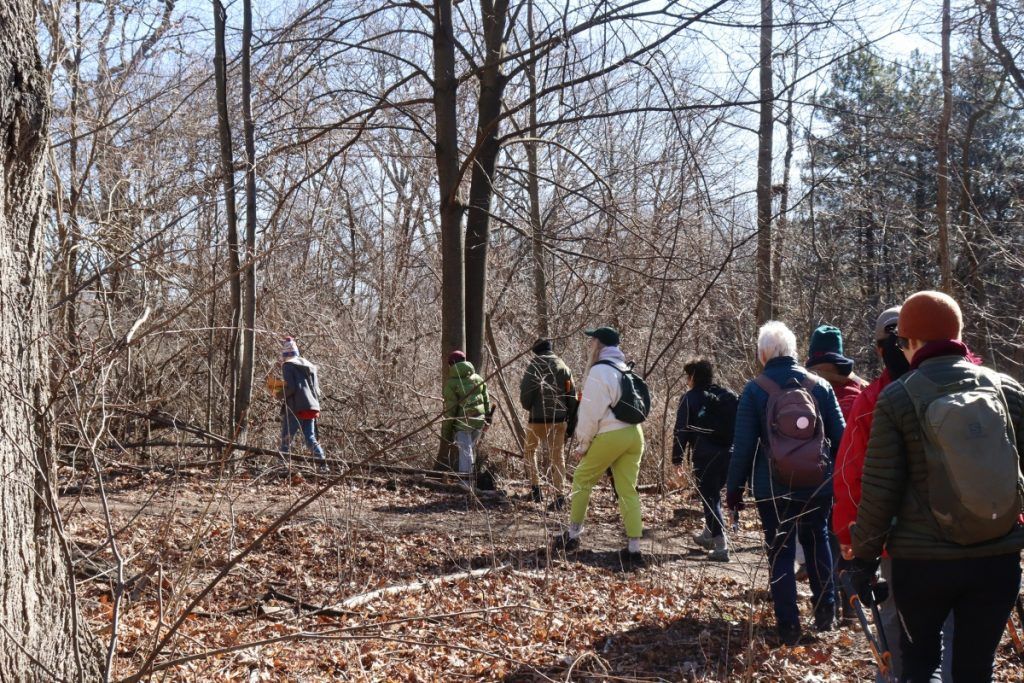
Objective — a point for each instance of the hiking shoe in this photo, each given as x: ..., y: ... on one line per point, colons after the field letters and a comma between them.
x: 564, y: 541
x: 789, y: 634
x: 321, y: 467
x: 825, y: 618
x: 557, y: 504
x: 631, y: 561
x: 719, y: 555
x: 849, y: 615
x: 535, y: 495
x: 720, y: 552
x: 704, y: 540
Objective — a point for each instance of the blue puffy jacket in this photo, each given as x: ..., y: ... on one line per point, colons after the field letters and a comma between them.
x: 750, y: 460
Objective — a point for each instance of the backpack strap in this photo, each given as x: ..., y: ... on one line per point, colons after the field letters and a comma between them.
x: 766, y: 383
x: 610, y: 364
x: 810, y: 383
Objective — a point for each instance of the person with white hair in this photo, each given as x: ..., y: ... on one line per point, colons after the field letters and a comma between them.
x: 788, y: 427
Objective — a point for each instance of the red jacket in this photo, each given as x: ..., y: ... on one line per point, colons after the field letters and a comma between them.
x: 850, y: 458
x: 847, y: 395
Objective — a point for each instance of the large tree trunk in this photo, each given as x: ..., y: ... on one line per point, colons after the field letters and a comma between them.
x: 227, y: 169
x: 481, y: 188
x: 243, y: 395
x: 942, y: 152
x: 446, y: 145
x: 783, y: 223
x: 765, y: 289
x: 540, y: 285
x: 43, y: 637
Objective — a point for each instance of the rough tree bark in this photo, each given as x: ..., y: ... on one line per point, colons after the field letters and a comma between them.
x: 453, y: 331
x: 540, y: 285
x: 446, y: 153
x: 765, y: 289
x: 243, y: 395
x: 942, y: 152
x: 227, y: 169
x: 42, y: 634
x: 481, y: 187
x: 782, y: 226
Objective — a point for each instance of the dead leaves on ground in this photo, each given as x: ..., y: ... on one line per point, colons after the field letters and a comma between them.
x: 530, y: 620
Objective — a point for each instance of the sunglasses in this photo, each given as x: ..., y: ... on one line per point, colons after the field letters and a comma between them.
x: 902, y: 343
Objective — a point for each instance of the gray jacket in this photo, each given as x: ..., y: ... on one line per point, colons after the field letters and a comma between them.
x: 301, y: 389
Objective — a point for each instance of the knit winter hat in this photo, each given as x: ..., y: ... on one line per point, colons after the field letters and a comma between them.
x: 288, y: 345
x: 542, y: 346
x: 456, y: 356
x: 827, y: 347
x: 930, y: 316
x: 889, y: 316
x: 608, y: 336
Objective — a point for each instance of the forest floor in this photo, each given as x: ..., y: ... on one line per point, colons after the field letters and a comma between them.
x: 470, y: 590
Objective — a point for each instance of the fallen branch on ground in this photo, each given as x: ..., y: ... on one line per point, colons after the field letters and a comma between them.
x: 417, y: 586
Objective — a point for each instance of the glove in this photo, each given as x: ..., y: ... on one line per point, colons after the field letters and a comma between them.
x: 734, y: 500
x: 860, y: 579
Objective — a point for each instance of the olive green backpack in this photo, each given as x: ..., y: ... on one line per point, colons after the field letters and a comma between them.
x: 974, y: 478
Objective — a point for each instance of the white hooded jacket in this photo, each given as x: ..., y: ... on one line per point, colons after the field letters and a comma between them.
x: 600, y: 392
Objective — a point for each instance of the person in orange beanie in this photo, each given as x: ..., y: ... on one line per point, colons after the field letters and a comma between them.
x: 940, y: 493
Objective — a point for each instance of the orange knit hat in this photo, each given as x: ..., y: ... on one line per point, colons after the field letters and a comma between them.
x: 930, y: 316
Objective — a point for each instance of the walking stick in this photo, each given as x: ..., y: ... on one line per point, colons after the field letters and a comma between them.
x: 1011, y: 628
x: 1018, y: 646
x: 877, y: 644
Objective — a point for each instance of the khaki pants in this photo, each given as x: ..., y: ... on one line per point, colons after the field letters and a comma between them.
x: 552, y: 436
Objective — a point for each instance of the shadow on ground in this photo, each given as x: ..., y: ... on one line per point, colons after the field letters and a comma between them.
x: 687, y: 648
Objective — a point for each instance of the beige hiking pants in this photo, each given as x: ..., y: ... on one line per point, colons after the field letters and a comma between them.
x: 552, y: 437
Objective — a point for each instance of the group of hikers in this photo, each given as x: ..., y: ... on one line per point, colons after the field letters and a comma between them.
x: 904, y: 494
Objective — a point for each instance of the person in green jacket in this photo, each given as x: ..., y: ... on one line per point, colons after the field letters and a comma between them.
x: 940, y: 494
x: 467, y: 409
x: 548, y: 392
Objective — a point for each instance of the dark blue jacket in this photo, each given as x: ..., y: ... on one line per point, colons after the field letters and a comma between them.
x: 749, y: 459
x: 686, y: 432
x: 689, y: 407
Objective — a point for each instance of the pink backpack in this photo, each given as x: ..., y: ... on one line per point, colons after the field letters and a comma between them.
x: 795, y: 433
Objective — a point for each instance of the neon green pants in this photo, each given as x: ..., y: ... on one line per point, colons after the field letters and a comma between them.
x: 621, y: 451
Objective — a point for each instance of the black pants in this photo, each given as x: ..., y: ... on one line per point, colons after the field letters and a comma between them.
x: 979, y: 591
x: 711, y: 467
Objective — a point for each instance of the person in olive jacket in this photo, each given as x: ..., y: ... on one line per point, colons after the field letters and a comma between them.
x: 467, y: 409
x: 948, y: 555
x: 548, y: 392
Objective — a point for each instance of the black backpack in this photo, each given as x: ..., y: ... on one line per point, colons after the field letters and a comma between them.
x: 635, y: 396
x: 716, y: 420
